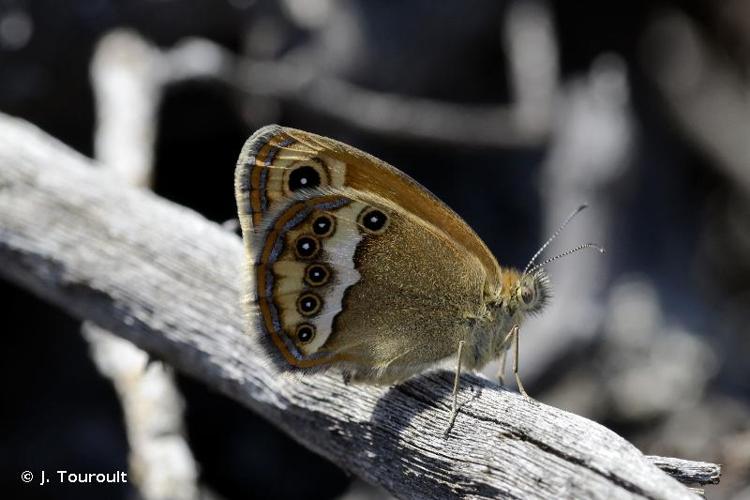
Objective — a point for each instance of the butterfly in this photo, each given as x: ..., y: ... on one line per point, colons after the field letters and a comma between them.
x: 353, y: 264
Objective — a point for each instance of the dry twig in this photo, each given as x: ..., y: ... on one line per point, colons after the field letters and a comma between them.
x: 127, y: 78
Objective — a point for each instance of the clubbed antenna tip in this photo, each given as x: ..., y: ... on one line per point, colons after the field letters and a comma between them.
x: 592, y: 246
x: 554, y: 235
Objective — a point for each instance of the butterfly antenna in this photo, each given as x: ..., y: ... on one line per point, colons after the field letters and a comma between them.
x: 592, y: 246
x: 552, y: 238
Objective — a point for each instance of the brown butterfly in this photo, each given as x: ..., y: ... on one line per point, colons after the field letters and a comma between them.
x: 354, y: 264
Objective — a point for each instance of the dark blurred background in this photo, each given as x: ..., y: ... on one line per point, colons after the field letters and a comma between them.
x: 512, y: 112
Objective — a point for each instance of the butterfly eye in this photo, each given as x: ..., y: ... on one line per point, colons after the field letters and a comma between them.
x: 373, y: 220
x: 304, y: 176
x: 306, y: 247
x: 322, y: 225
x: 308, y: 304
x: 317, y: 274
x: 527, y: 295
x: 305, y: 332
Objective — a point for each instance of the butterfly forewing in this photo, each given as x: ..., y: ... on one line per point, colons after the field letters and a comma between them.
x: 276, y: 162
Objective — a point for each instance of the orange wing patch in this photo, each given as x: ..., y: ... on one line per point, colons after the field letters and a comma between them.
x: 273, y: 164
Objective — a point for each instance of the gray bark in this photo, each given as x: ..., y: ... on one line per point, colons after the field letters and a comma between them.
x: 167, y: 279
x: 688, y: 471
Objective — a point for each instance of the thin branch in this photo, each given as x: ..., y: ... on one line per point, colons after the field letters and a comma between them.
x: 590, y: 149
x: 693, y: 474
x: 707, y: 96
x: 165, y: 278
x: 688, y: 471
x: 127, y: 76
x: 530, y: 42
x: 381, y: 113
x: 532, y: 54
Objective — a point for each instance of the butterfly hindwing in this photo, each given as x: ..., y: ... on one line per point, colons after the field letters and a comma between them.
x: 303, y: 265
x: 339, y: 279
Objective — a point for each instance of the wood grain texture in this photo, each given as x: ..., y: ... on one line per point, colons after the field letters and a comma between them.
x: 688, y: 471
x: 165, y: 278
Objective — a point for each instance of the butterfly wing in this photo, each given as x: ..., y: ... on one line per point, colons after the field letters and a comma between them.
x: 384, y: 303
x: 350, y: 278
x: 275, y: 162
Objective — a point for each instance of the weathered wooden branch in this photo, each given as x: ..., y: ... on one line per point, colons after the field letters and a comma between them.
x: 165, y: 278
x: 688, y: 471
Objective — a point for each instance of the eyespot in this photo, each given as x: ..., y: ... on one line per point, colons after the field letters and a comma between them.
x: 305, y: 332
x: 304, y: 177
x: 308, y: 304
x: 306, y: 247
x: 317, y: 274
x: 373, y: 220
x: 323, y: 225
x: 526, y: 294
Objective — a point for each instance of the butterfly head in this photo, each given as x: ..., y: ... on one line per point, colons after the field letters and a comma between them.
x: 523, y: 293
x: 528, y: 291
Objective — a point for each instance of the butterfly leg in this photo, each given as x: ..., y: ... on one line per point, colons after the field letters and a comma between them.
x: 456, y: 380
x: 514, y: 332
x: 504, y: 355
x: 501, y: 370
